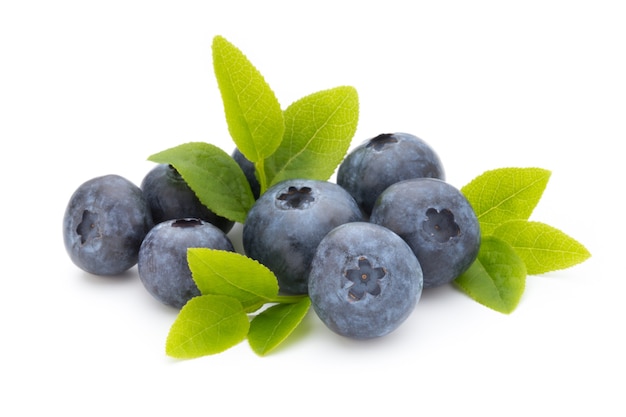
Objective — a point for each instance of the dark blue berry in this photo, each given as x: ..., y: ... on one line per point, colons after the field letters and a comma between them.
x: 384, y: 160
x: 163, y: 267
x: 437, y: 222
x: 364, y: 281
x: 249, y: 171
x: 104, y: 224
x: 170, y: 197
x: 287, y: 222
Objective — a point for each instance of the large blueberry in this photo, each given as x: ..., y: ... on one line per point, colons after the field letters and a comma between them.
x: 437, y: 222
x: 163, y: 267
x: 364, y: 281
x: 104, y: 223
x: 170, y: 198
x: 285, y: 225
x: 383, y: 160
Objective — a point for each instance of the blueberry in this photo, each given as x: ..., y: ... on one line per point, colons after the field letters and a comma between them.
x: 285, y: 225
x: 383, y: 160
x: 437, y: 222
x: 104, y: 223
x: 171, y: 198
x: 163, y: 267
x: 249, y: 171
x: 364, y: 281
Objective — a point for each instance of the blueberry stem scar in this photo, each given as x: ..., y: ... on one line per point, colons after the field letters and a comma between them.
x: 379, y: 142
x: 365, y: 279
x: 297, y: 197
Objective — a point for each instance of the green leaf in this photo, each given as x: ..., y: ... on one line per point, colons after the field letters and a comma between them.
x: 213, y: 175
x: 497, y: 278
x: 543, y: 248
x: 504, y: 194
x: 272, y: 326
x: 318, y: 132
x: 232, y: 274
x: 254, y: 116
x: 206, y: 325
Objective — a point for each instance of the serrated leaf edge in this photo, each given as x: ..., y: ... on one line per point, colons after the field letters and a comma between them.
x: 242, y: 257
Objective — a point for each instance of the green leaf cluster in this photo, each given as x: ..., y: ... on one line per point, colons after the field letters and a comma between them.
x: 513, y: 246
x: 233, y: 289
x: 308, y: 139
x: 239, y: 296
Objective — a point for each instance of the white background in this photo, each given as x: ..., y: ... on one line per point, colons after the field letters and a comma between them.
x: 92, y: 88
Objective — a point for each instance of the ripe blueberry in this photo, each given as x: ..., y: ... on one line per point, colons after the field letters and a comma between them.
x: 163, y: 267
x: 285, y: 225
x: 249, y: 171
x: 437, y: 222
x: 104, y: 223
x: 384, y: 160
x: 364, y: 280
x: 170, y: 198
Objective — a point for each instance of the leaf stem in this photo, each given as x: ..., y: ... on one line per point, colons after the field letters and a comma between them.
x: 260, y: 169
x: 288, y: 299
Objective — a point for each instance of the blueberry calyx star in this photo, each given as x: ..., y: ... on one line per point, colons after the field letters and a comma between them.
x: 297, y: 197
x: 440, y: 225
x: 365, y: 279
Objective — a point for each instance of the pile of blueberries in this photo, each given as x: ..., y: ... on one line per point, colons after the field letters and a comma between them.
x: 362, y: 248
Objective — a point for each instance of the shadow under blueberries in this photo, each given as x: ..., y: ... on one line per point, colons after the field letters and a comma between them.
x: 123, y: 278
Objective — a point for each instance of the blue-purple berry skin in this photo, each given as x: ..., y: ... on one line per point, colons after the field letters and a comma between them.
x: 163, y: 267
x: 287, y: 222
x: 170, y: 197
x: 104, y: 223
x: 383, y: 160
x: 249, y: 170
x: 365, y: 280
x: 438, y: 223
